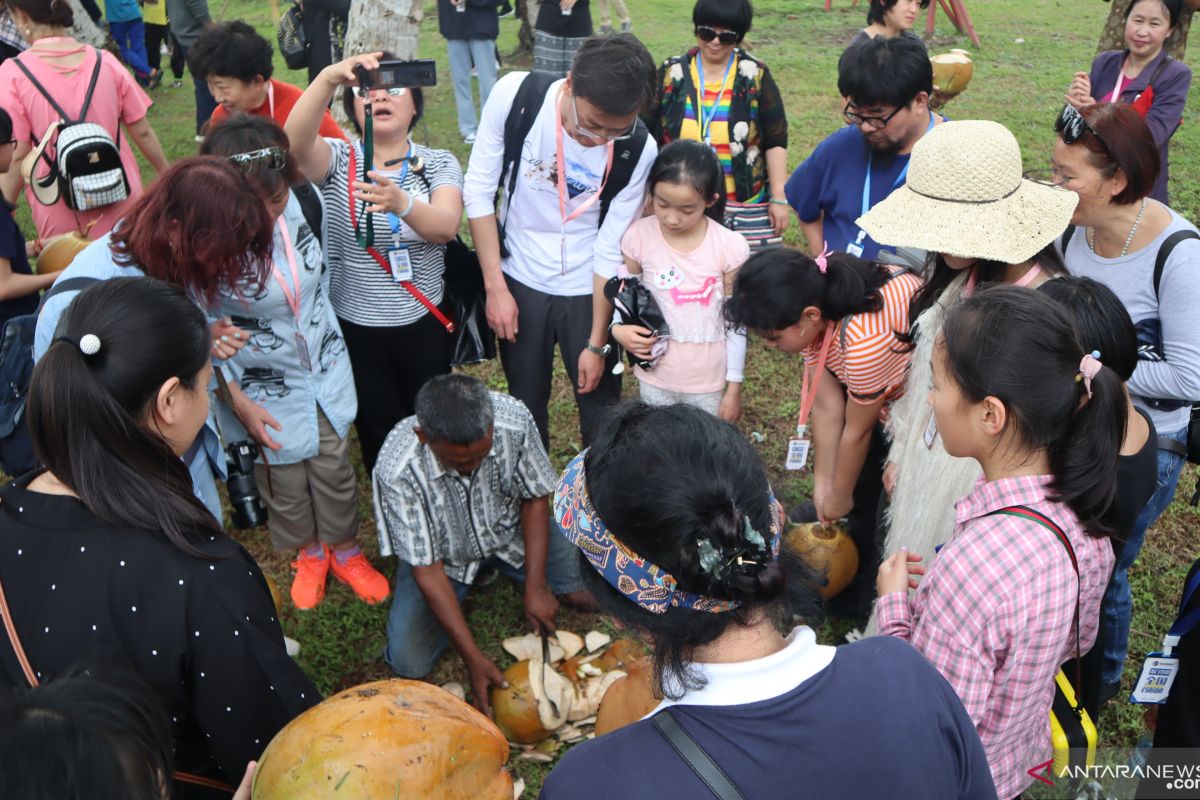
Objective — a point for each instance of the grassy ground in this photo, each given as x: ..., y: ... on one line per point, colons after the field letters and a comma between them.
x: 1029, y: 53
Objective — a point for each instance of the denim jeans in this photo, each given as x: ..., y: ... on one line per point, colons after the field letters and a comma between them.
x: 205, y: 103
x: 131, y: 39
x: 1116, y: 609
x: 415, y: 638
x: 462, y: 53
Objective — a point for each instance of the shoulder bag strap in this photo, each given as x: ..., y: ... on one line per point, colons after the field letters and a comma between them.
x: 69, y: 285
x: 1158, y: 71
x: 1066, y: 238
x: 13, y: 639
x: 1027, y: 513
x: 690, y: 751
x: 626, y: 156
x: 1164, y: 252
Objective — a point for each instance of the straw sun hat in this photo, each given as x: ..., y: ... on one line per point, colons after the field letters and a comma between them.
x: 965, y: 196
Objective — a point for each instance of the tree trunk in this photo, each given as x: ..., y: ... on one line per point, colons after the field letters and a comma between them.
x: 1113, y: 37
x: 374, y: 25
x: 84, y: 30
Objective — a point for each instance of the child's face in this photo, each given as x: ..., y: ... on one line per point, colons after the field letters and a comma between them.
x: 954, y: 414
x: 6, y: 155
x: 678, y: 206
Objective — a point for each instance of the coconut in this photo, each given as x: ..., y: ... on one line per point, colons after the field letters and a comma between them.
x: 828, y: 550
x: 571, y: 643
x: 951, y: 72
x: 619, y: 655
x: 522, y: 710
x: 595, y: 640
x: 383, y: 740
x: 59, y: 251
x: 529, y: 646
x: 589, y: 692
x: 626, y: 700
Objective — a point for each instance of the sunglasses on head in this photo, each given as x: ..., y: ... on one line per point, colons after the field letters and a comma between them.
x: 273, y: 158
x: 707, y: 34
x: 1071, y: 126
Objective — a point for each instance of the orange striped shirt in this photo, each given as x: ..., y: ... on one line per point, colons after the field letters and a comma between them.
x: 866, y: 357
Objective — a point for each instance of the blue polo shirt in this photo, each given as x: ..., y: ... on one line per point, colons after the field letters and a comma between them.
x: 831, y: 181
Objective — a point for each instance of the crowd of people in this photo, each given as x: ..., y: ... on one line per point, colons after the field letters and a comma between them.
x: 998, y: 375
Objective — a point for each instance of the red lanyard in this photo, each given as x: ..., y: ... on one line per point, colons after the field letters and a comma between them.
x: 293, y: 300
x: 409, y: 286
x: 562, y: 173
x: 808, y: 388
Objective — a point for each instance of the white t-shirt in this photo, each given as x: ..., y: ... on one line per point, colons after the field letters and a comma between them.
x: 533, y: 223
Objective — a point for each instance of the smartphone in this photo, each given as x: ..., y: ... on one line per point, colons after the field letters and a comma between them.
x: 421, y: 72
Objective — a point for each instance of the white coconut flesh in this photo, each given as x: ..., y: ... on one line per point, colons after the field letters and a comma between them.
x: 556, y: 687
x: 589, y: 693
x: 571, y: 643
x: 595, y: 640
x: 529, y: 647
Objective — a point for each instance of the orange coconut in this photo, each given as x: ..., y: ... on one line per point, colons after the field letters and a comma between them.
x: 829, y: 550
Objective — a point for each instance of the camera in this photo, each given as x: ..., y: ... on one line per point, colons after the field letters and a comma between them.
x: 248, y: 508
x: 420, y: 72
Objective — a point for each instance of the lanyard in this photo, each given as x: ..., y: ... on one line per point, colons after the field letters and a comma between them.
x: 866, y: 193
x: 368, y: 144
x: 562, y: 174
x: 706, y: 120
x: 808, y: 388
x: 293, y: 300
x: 1029, y: 277
x: 271, y: 98
x: 393, y: 220
x: 1184, y: 624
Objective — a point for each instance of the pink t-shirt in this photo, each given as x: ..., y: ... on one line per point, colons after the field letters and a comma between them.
x: 690, y: 290
x: 117, y: 99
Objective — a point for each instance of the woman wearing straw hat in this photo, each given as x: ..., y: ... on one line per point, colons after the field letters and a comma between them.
x: 967, y: 204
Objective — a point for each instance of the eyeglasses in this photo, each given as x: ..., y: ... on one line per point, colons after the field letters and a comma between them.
x: 1072, y: 126
x: 706, y: 34
x: 395, y: 91
x: 874, y: 123
x: 598, y: 136
x: 273, y: 158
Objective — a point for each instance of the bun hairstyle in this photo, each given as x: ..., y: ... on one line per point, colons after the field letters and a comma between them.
x: 670, y: 482
x: 693, y: 164
x: 1020, y: 346
x: 55, y: 13
x: 774, y: 286
x: 88, y: 414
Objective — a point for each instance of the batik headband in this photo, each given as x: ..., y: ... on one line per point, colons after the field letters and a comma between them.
x: 640, y: 580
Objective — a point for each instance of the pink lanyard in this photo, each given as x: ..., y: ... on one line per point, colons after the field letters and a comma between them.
x: 562, y: 175
x: 808, y: 389
x: 1116, y: 95
x: 271, y: 98
x: 293, y: 300
x: 1029, y: 277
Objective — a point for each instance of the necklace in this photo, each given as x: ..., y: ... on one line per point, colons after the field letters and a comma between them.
x: 1128, y: 239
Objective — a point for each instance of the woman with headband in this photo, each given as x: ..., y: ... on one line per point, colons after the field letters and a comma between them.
x: 688, y: 558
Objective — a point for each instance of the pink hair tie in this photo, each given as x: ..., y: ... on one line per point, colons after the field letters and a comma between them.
x: 1089, y: 368
x: 822, y: 260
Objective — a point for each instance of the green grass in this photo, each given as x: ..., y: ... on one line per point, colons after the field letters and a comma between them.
x: 1029, y: 53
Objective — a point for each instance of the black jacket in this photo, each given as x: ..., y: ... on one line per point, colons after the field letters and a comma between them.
x: 481, y: 20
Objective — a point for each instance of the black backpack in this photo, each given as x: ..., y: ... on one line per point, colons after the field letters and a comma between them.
x: 16, y: 368
x: 525, y: 107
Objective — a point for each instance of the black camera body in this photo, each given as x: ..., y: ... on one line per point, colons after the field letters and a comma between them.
x: 245, y: 502
x: 419, y: 72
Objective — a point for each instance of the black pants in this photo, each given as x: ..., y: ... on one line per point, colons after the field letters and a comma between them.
x: 156, y: 35
x: 863, y: 525
x: 390, y: 366
x: 545, y: 320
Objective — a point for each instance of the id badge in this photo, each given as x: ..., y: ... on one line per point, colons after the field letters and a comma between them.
x: 931, y: 432
x: 401, y: 261
x: 797, y: 453
x: 1154, y: 684
x: 302, y: 350
x: 854, y: 249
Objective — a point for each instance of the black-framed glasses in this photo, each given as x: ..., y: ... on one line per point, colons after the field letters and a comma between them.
x: 874, y: 123
x: 273, y: 158
x: 1071, y: 126
x: 604, y: 137
x: 707, y: 33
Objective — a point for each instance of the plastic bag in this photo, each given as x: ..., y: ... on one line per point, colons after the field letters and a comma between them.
x: 637, y: 306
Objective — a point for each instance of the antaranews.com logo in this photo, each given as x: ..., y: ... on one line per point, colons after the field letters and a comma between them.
x: 1122, y: 774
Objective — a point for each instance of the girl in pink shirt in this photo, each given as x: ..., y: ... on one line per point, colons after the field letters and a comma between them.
x: 687, y: 260
x: 64, y: 68
x: 1016, y: 591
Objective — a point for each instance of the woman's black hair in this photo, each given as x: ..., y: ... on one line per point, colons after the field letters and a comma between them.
x: 691, y: 163
x: 1174, y: 9
x: 88, y: 414
x: 86, y: 735
x: 1101, y: 321
x: 878, y: 8
x: 415, y: 92
x: 940, y: 275
x: 56, y: 13
x: 1020, y: 346
x: 231, y: 50
x: 734, y: 15
x: 5, y: 127
x: 774, y: 286
x: 245, y: 133
x: 664, y: 479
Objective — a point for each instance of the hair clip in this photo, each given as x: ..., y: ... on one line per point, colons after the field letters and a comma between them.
x: 744, y: 561
x: 823, y: 259
x: 753, y: 536
x: 710, y: 559
x: 89, y: 344
x: 1089, y: 368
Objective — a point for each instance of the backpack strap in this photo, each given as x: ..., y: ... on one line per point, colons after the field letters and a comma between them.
x: 310, y: 206
x: 1066, y: 238
x: 87, y: 98
x: 690, y: 751
x: 1164, y: 253
x: 69, y: 285
x: 626, y: 155
x: 1158, y: 71
x: 525, y: 107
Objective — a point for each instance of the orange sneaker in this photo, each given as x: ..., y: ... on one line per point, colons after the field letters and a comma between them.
x: 357, y: 573
x: 308, y: 587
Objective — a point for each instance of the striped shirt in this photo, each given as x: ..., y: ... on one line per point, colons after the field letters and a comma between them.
x: 995, y: 615
x: 716, y: 93
x: 866, y: 357
x: 362, y: 291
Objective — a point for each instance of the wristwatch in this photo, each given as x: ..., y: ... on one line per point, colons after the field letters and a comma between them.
x: 600, y: 351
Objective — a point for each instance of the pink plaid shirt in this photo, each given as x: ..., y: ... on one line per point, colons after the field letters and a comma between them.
x: 994, y: 614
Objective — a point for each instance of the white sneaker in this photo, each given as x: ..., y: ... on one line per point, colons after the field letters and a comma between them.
x: 469, y: 139
x: 292, y: 646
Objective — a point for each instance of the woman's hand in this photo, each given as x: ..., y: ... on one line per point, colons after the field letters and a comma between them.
x: 256, y: 419
x: 33, y: 248
x: 780, y: 216
x: 889, y: 478
x: 831, y: 508
x: 342, y: 73
x: 730, y: 409
x: 635, y: 339
x: 896, y: 574
x: 227, y: 339
x: 243, y: 790
x: 1080, y: 92
x: 382, y: 195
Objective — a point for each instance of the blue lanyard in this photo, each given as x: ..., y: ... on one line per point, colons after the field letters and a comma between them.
x: 393, y: 220
x: 866, y: 194
x: 1186, y: 622
x: 706, y: 121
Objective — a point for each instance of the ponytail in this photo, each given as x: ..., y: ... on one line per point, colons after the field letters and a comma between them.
x: 89, y: 411
x: 774, y: 286
x: 1020, y: 346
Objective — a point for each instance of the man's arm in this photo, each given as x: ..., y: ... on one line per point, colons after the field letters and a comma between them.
x: 540, y: 603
